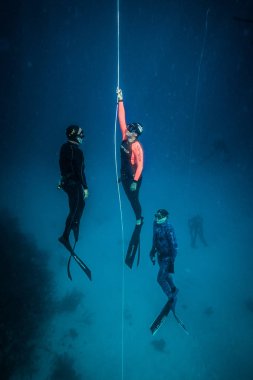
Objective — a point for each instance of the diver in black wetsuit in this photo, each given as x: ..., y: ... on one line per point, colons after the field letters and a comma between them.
x: 73, y: 182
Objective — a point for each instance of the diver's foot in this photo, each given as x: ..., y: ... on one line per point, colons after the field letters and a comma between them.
x: 139, y: 222
x: 66, y: 243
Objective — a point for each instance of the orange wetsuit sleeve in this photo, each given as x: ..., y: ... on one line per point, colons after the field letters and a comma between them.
x: 122, y: 119
x: 137, y: 159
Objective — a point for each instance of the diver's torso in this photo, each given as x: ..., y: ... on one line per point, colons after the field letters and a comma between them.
x: 127, y: 168
x: 163, y: 241
x: 71, y: 161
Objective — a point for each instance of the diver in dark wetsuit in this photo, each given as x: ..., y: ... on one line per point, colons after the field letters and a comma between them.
x: 131, y: 159
x: 73, y: 182
x: 165, y: 248
x: 196, y: 230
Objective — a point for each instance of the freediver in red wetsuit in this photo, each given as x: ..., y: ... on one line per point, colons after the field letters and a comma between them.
x: 131, y: 159
x: 131, y: 174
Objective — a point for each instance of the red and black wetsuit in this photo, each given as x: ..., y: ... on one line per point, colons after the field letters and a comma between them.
x: 73, y: 183
x: 131, y: 163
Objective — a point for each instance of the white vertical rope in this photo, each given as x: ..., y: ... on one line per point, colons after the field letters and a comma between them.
x: 120, y: 207
x: 117, y: 43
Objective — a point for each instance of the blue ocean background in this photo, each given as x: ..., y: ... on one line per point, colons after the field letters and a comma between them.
x: 187, y: 75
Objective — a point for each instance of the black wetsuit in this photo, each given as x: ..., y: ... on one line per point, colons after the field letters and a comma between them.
x: 73, y: 182
x: 127, y: 177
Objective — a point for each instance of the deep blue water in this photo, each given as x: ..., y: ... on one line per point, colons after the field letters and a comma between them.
x: 187, y: 76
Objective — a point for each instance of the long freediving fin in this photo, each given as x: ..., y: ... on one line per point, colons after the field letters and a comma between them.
x: 81, y: 264
x: 68, y: 268
x: 133, y: 246
x: 180, y: 322
x: 161, y: 317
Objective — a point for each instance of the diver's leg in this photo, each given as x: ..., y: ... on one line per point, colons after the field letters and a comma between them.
x: 73, y: 197
x: 71, y: 191
x: 170, y: 279
x: 192, y: 233
x: 133, y: 197
x: 194, y: 237
x: 78, y: 213
x: 137, y: 205
x: 173, y: 287
x: 126, y: 182
x: 201, y: 236
x: 162, y: 278
x: 165, y: 278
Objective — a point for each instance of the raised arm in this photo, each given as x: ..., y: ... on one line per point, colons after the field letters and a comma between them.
x: 121, y: 114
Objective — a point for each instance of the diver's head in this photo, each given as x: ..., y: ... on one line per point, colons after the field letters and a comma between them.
x: 134, y: 130
x: 75, y: 134
x: 161, y: 216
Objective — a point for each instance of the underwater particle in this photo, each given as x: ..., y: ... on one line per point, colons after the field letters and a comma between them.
x: 128, y: 317
x: 209, y: 311
x: 87, y: 318
x: 159, y: 345
x: 70, y: 302
x: 4, y: 44
x: 64, y: 368
x: 249, y: 304
x: 73, y: 333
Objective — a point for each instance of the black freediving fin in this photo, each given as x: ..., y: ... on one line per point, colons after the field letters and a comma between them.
x: 180, y: 322
x: 81, y: 264
x: 161, y: 317
x: 169, y: 306
x: 133, y: 246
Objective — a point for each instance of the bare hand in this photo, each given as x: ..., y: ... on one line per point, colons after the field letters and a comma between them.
x: 86, y: 193
x: 119, y: 94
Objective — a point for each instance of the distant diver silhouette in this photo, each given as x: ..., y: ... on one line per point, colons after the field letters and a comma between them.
x: 195, y: 225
